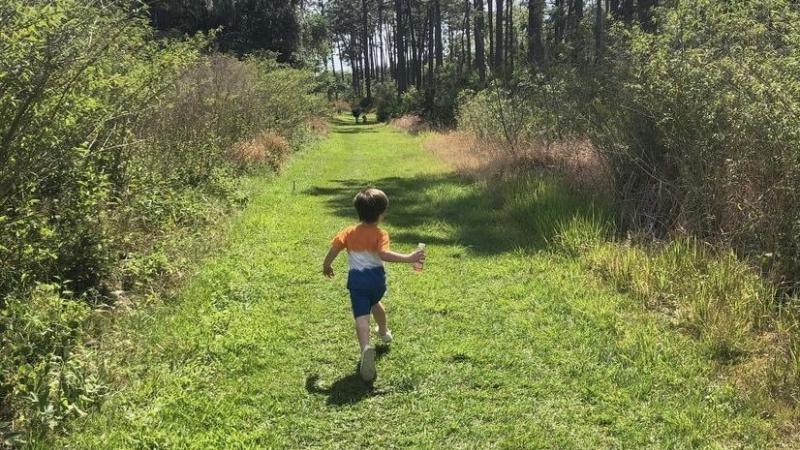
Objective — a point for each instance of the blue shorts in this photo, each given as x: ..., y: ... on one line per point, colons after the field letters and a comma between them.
x: 362, y: 300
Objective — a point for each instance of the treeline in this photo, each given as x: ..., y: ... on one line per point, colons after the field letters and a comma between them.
x: 411, y: 41
x: 245, y: 26
x: 116, y: 147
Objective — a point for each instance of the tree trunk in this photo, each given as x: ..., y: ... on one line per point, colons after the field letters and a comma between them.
x: 451, y: 46
x: 380, y: 40
x: 341, y: 63
x: 438, y: 31
x: 558, y: 21
x: 431, y: 38
x: 490, y: 22
x: 599, y: 32
x: 467, y: 28
x: 400, y: 47
x: 614, y: 8
x: 627, y: 11
x: 646, y: 15
x: 509, y: 50
x: 498, y: 40
x: 480, y: 49
x: 416, y: 67
x: 333, y: 64
x: 535, y: 21
x: 461, y: 53
x: 575, y: 16
x: 365, y: 44
x: 390, y: 53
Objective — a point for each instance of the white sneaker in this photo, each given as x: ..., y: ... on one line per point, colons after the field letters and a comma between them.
x: 386, y: 338
x: 367, y: 368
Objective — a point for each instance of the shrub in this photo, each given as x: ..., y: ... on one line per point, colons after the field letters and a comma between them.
x: 44, y: 374
x: 219, y: 102
x: 387, y: 105
x: 411, y: 124
x: 530, y: 113
x: 266, y: 149
x: 318, y: 126
x: 69, y: 98
x: 340, y: 106
x: 113, y: 142
x: 702, y: 128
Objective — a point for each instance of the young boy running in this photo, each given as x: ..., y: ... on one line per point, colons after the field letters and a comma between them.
x: 367, y: 248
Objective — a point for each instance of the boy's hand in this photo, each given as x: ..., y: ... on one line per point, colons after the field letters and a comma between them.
x: 417, y: 257
x: 327, y: 271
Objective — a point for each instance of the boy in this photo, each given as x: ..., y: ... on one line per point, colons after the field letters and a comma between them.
x: 367, y: 248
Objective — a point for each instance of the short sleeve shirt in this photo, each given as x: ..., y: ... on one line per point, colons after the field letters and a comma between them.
x: 363, y: 243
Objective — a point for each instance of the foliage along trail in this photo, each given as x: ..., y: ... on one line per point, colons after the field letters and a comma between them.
x: 501, y: 341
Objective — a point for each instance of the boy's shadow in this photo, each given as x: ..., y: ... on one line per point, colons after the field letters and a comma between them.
x: 348, y: 390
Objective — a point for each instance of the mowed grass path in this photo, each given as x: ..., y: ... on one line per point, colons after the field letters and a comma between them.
x: 500, y: 343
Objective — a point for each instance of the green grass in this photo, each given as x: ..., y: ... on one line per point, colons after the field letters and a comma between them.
x: 501, y: 342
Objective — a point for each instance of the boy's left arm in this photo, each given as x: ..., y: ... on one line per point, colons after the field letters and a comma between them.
x: 389, y: 256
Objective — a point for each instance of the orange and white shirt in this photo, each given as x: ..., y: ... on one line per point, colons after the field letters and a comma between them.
x: 363, y: 242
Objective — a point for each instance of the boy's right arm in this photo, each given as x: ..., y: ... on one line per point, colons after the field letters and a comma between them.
x: 327, y: 269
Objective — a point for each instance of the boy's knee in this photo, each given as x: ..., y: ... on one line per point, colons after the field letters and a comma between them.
x: 362, y: 320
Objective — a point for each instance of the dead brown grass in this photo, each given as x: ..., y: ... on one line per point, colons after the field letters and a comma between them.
x: 340, y: 106
x: 318, y: 126
x: 576, y: 161
x: 411, y: 124
x: 266, y: 149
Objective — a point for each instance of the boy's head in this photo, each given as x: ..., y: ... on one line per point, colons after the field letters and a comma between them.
x: 370, y: 204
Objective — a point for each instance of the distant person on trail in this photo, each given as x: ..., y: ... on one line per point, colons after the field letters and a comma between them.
x: 356, y: 113
x: 367, y: 248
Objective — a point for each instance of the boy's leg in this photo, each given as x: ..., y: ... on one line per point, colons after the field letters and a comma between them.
x: 359, y: 300
x: 380, y: 317
x: 367, y: 365
x: 362, y: 331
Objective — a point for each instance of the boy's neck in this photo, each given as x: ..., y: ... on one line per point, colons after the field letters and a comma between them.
x: 370, y: 224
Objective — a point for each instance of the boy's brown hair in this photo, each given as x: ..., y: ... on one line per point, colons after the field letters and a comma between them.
x: 370, y: 204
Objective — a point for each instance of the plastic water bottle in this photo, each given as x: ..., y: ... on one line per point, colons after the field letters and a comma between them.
x: 418, y: 265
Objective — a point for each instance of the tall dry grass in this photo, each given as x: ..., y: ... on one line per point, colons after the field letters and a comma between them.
x: 578, y: 163
x: 268, y: 149
x: 411, y: 123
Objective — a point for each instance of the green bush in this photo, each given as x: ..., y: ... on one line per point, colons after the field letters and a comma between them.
x: 529, y: 113
x: 701, y: 122
x: 76, y: 77
x: 387, y: 105
x: 44, y: 378
x: 111, y: 142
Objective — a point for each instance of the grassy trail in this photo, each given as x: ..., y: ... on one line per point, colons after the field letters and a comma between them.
x: 500, y: 343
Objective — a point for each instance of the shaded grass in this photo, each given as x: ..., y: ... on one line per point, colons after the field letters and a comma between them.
x: 489, y: 217
x: 500, y: 342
